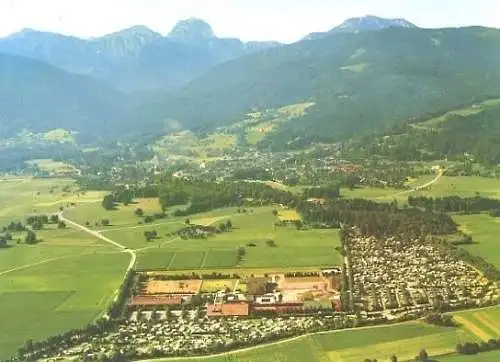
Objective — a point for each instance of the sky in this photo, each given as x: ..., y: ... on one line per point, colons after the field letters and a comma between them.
x: 282, y: 20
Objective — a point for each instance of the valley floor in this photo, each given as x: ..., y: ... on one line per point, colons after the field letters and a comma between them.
x: 68, y: 279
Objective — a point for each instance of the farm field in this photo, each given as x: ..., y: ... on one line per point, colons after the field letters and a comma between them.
x: 370, y: 193
x: 484, y: 230
x: 65, y: 281
x: 484, y: 323
x: 133, y: 236
x: 293, y: 248
x: 124, y: 218
x: 462, y: 186
x: 387, y: 194
x: 252, y: 230
x: 52, y: 298
x: 20, y: 197
x: 404, y: 340
x: 123, y: 215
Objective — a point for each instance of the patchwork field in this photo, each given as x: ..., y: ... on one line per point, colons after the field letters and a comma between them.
x: 253, y: 231
x: 484, y: 324
x: 404, y: 340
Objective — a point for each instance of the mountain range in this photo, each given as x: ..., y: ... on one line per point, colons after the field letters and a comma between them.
x: 366, y: 74
x: 358, y: 82
x: 136, y: 58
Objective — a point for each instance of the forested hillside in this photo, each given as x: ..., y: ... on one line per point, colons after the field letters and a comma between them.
x: 38, y: 97
x: 467, y: 134
x: 359, y: 82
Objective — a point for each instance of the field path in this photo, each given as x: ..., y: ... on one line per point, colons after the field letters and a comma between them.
x: 98, y: 235
x: 416, y: 188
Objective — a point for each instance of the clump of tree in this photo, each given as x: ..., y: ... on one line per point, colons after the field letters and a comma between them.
x: 4, y: 240
x: 14, y: 227
x: 271, y: 243
x: 422, y: 356
x: 150, y: 235
x: 471, y: 348
x: 240, y: 254
x: 439, y: 319
x: 37, y: 221
x: 30, y: 238
x: 108, y: 202
x: 196, y: 231
x: 105, y: 222
x: 148, y: 219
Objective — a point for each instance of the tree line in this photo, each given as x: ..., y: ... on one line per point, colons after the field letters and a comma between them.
x: 204, y: 196
x: 377, y: 219
x: 455, y: 204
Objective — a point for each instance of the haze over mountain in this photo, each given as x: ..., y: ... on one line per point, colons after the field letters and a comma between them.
x: 36, y: 96
x: 136, y: 58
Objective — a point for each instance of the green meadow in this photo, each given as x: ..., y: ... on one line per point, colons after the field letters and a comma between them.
x: 64, y: 281
x: 55, y: 296
x: 252, y: 231
x: 484, y: 230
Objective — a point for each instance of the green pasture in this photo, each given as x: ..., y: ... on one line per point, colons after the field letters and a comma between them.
x: 484, y: 230
x: 65, y: 281
x: 462, y: 186
x: 54, y: 297
x: 252, y: 231
x: 24, y: 196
